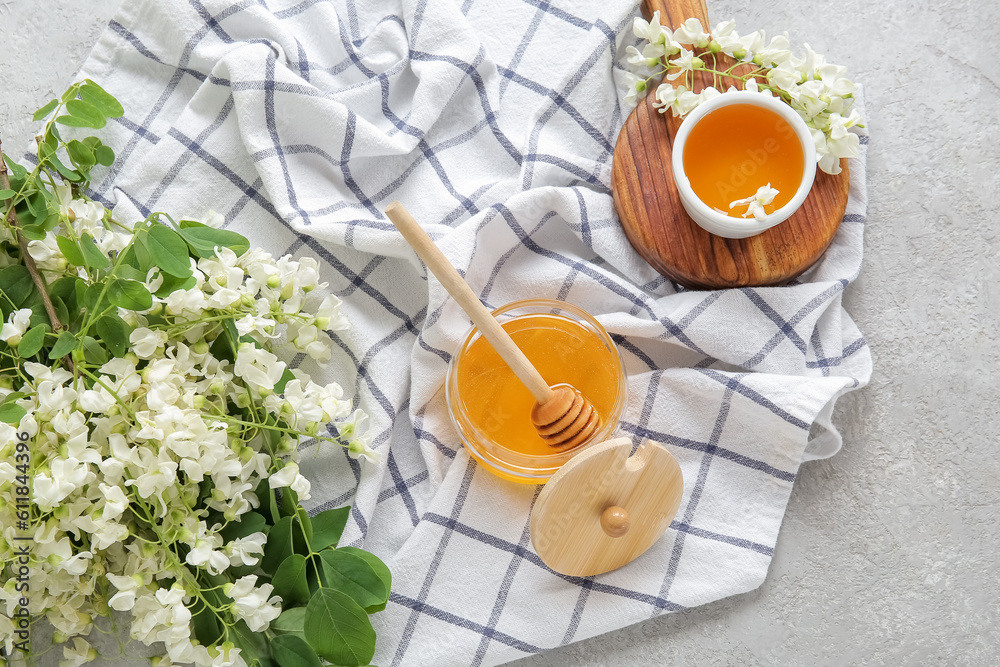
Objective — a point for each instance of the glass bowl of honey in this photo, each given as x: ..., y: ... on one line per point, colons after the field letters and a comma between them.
x: 730, y: 146
x: 491, y: 409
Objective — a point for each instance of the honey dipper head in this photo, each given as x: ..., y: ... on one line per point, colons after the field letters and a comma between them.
x: 566, y: 420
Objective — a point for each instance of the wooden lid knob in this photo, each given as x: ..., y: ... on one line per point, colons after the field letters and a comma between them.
x: 605, y: 507
x: 615, y: 521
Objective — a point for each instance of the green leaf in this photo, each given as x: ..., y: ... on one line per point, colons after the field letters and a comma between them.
x: 328, y: 526
x: 92, y: 256
x: 12, y: 396
x: 171, y: 284
x: 71, y: 250
x: 16, y: 284
x: 292, y: 651
x: 168, y: 250
x: 81, y: 153
x: 291, y: 622
x: 305, y: 523
x: 105, y: 155
x: 247, y: 524
x: 129, y: 294
x: 64, y: 345
x: 279, y: 544
x: 253, y: 644
x: 33, y: 232
x: 11, y: 413
x: 358, y: 574
x: 114, y: 332
x: 67, y: 173
x: 93, y: 352
x: 45, y: 110
x: 203, y: 239
x: 16, y: 170
x: 102, y: 100
x: 91, y: 294
x: 206, y: 626
x: 286, y: 377
x: 272, y: 504
x: 289, y: 501
x: 6, y: 194
x: 289, y: 579
x: 32, y: 341
x: 86, y: 111
x: 338, y: 629
x: 62, y: 312
x: 72, y: 121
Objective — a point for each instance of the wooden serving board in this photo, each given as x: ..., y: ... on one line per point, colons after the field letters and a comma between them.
x: 660, y: 230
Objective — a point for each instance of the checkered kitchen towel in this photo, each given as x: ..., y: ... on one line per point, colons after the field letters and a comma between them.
x: 494, y: 121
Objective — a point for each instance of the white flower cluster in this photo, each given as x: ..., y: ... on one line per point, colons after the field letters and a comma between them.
x: 139, y: 463
x: 817, y: 90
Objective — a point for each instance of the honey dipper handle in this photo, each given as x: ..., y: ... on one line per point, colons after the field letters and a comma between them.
x: 456, y: 286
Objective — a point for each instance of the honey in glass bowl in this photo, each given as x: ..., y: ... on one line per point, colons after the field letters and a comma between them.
x: 490, y: 407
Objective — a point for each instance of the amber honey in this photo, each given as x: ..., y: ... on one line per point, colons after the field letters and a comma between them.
x: 491, y: 408
x: 736, y: 149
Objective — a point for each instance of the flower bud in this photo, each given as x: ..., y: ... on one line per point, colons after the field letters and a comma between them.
x: 715, y: 47
x: 740, y: 54
x: 287, y: 290
x: 697, y: 63
x: 201, y: 347
x: 273, y: 280
x: 217, y: 388
x: 312, y: 429
x: 246, y: 300
x: 198, y: 401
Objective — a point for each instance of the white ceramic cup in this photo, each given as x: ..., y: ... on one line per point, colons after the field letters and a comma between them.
x: 721, y: 224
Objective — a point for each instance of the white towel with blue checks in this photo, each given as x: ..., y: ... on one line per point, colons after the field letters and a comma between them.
x: 494, y: 122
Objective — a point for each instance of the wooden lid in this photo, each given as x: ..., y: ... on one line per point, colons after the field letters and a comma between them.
x: 604, y: 508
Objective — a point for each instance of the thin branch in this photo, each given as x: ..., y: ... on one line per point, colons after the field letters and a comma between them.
x: 29, y: 262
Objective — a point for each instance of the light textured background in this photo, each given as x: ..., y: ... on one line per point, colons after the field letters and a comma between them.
x: 890, y: 551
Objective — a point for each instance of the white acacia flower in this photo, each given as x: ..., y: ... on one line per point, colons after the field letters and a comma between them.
x: 206, y: 552
x: 686, y: 62
x: 246, y: 550
x: 46, y: 253
x: 726, y: 36
x: 80, y: 653
x: 690, y: 32
x: 652, y: 31
x: 258, y: 368
x: 124, y: 599
x: 252, y: 604
x: 65, y: 476
x: 15, y: 326
x: 756, y: 202
x: 147, y: 342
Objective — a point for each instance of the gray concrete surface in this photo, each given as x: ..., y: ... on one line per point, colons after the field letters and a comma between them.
x: 890, y: 551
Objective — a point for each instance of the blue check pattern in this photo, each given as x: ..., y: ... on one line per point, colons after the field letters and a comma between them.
x: 495, y: 122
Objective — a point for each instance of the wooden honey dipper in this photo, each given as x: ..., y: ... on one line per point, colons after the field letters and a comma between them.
x: 561, y: 415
